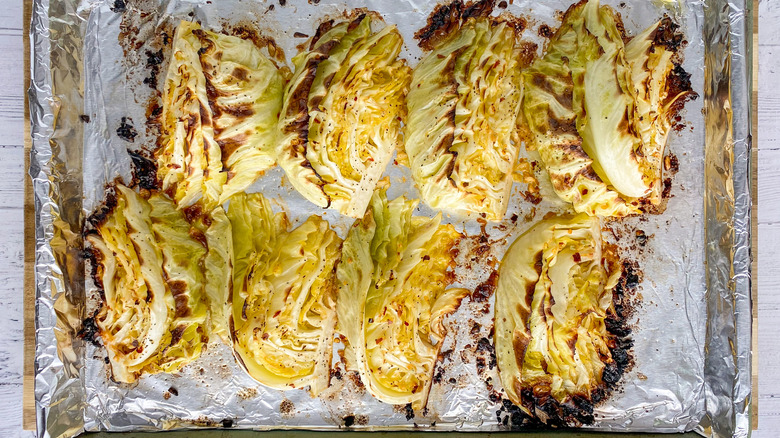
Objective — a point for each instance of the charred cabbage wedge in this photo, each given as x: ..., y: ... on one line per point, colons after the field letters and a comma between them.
x: 284, y: 295
x: 221, y: 102
x: 214, y: 230
x: 393, y: 297
x: 599, y: 111
x: 553, y: 296
x: 342, y: 112
x: 463, y: 105
x: 154, y: 315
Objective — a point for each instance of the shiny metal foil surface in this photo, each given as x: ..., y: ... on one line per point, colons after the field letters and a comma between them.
x: 691, y: 327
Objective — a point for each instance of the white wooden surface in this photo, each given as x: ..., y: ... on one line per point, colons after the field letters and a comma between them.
x: 768, y: 219
x: 11, y: 199
x: 11, y: 217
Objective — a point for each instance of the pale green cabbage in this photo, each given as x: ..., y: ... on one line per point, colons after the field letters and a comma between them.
x: 217, y: 268
x: 463, y: 106
x: 342, y: 112
x: 221, y: 102
x: 284, y: 295
x: 245, y: 94
x: 553, y: 295
x: 153, y: 318
x: 393, y: 277
x: 598, y: 111
x: 189, y: 161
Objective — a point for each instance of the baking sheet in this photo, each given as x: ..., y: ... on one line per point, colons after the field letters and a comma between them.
x: 695, y: 264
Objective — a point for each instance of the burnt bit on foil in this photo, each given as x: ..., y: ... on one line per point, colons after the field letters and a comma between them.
x: 485, y: 289
x: 477, y: 258
x: 90, y: 331
x: 408, y: 411
x: 105, y: 208
x: 671, y: 164
x: 545, y: 31
x: 144, y: 171
x: 486, y: 359
x: 287, y: 408
x: 126, y: 131
x: 513, y: 417
x: 153, y: 61
x: 118, y: 7
x: 667, y: 35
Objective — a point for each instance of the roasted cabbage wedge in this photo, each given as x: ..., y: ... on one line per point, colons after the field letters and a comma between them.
x: 284, y: 295
x: 393, y: 297
x: 221, y: 102
x: 599, y: 111
x: 213, y: 230
x: 189, y: 159
x: 154, y: 315
x: 245, y: 91
x: 463, y: 105
x: 342, y: 112
x: 554, y: 293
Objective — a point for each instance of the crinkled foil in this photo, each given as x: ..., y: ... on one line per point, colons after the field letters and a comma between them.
x: 691, y: 328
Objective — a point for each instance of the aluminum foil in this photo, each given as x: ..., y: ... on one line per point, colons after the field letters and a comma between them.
x: 691, y: 327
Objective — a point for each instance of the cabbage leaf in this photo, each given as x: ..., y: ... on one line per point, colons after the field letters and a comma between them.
x: 189, y: 160
x: 153, y: 317
x: 221, y: 102
x: 463, y: 106
x: 284, y: 295
x: 245, y: 90
x: 598, y: 111
x: 553, y: 295
x: 393, y: 297
x: 342, y: 113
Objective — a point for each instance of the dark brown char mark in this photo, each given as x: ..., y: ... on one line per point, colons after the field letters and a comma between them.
x: 678, y: 86
x: 101, y: 213
x: 322, y: 29
x: 485, y: 290
x: 447, y: 17
x: 667, y: 35
x: 239, y: 112
x: 144, y: 171
x: 247, y: 31
x: 445, y: 145
x: 578, y: 409
x: 126, y: 131
x: 299, y: 100
x: 90, y: 331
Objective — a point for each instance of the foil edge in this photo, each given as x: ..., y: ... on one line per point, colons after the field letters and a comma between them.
x: 59, y: 390
x: 727, y: 220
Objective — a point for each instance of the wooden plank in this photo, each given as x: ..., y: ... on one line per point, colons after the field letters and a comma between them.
x: 754, y: 371
x: 28, y: 395
x: 9, y: 411
x: 768, y: 281
x: 768, y: 183
x: 770, y: 11
x: 768, y: 329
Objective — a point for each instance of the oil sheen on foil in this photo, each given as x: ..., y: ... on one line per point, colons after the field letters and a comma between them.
x: 89, y: 67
